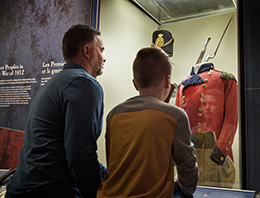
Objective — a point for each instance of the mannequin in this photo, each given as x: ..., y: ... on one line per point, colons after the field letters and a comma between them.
x: 210, y: 98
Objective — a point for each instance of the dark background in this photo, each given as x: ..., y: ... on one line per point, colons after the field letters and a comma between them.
x: 31, y: 33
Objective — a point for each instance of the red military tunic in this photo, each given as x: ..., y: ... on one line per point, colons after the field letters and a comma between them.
x: 211, y: 102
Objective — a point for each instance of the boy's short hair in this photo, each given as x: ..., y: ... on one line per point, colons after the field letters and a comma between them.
x: 150, y: 66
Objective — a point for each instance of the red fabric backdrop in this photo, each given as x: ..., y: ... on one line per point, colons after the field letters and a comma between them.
x: 11, y: 142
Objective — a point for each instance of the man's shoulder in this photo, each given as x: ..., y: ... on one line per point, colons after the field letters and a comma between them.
x: 77, y: 74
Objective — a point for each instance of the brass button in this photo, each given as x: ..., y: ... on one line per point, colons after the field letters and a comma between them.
x: 200, y: 109
x: 204, y: 85
x: 183, y: 102
x: 199, y: 115
x: 183, y: 97
x: 226, y: 148
x: 209, y: 73
x: 199, y: 130
x: 206, y: 80
x: 221, y: 158
x: 201, y: 99
x: 201, y: 94
x: 229, y: 142
x: 199, y: 124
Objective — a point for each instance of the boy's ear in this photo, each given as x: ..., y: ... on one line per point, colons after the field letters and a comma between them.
x: 168, y: 81
x: 136, y: 87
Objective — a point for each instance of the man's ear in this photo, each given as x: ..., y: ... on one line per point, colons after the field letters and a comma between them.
x: 86, y: 51
x: 136, y: 87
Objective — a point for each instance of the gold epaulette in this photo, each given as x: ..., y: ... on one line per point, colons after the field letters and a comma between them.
x: 227, y: 76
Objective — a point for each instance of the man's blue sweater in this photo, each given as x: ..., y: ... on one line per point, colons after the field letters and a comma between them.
x: 59, y: 157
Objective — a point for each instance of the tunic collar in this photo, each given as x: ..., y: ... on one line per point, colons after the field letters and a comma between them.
x: 200, y: 68
x: 197, y: 69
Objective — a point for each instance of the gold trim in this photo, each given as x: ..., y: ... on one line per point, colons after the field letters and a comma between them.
x: 165, y: 44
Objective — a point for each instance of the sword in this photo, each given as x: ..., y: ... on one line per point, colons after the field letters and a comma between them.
x: 203, y: 51
x: 212, y: 56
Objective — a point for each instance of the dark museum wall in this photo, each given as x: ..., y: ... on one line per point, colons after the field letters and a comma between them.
x: 31, y: 33
x: 30, y: 37
x: 249, y: 50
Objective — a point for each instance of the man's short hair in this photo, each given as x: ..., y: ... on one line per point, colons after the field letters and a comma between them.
x: 75, y: 38
x: 150, y: 66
